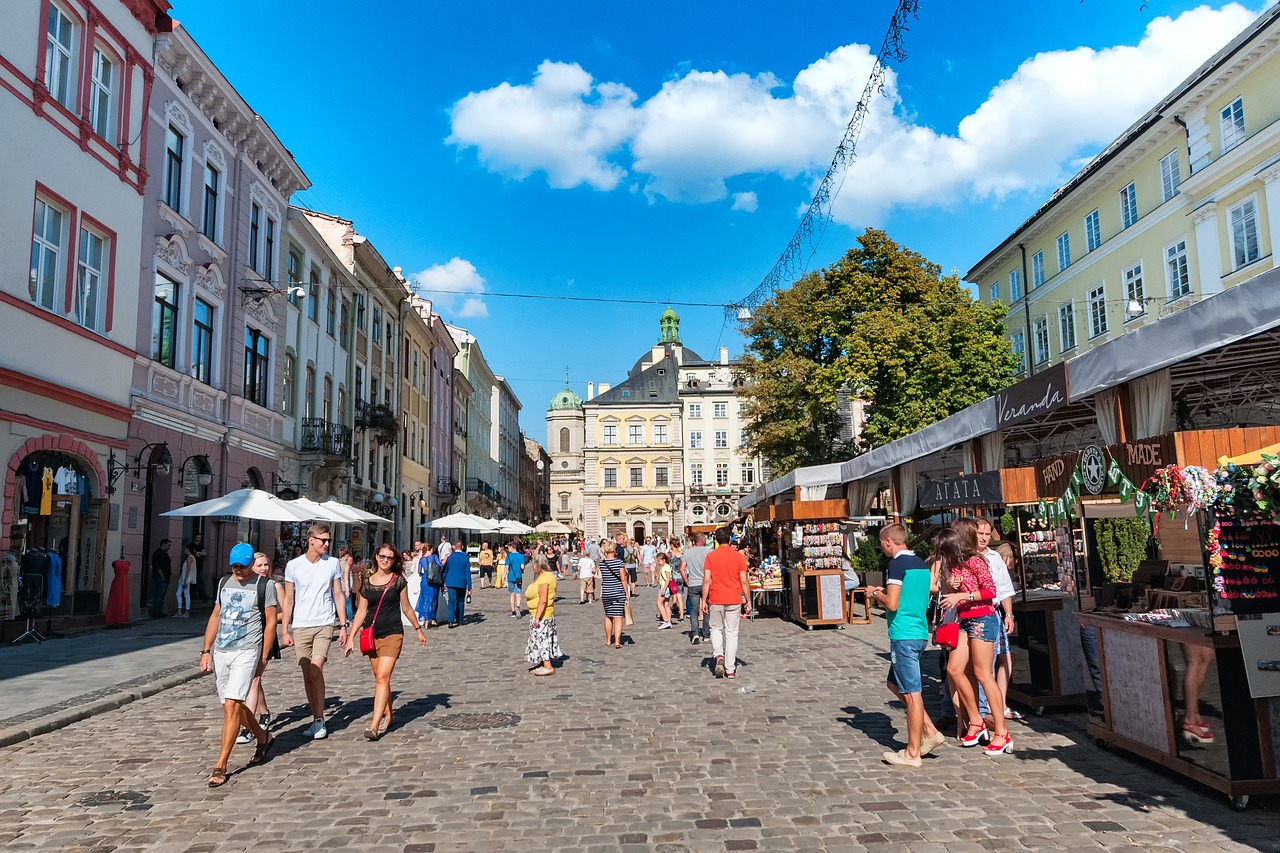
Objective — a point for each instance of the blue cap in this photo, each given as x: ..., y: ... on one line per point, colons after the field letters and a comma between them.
x: 242, y: 554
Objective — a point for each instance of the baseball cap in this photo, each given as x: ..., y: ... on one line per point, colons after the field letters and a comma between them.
x: 242, y: 554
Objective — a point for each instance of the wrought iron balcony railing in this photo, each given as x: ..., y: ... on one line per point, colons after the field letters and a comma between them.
x: 319, y: 435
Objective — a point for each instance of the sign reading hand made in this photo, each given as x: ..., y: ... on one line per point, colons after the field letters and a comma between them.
x: 1032, y: 397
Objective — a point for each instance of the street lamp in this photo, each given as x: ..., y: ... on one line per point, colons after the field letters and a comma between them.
x: 162, y: 464
x: 204, y: 473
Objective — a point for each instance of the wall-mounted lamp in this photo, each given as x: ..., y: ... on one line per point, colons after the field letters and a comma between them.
x: 260, y: 292
x: 162, y: 464
x: 204, y: 473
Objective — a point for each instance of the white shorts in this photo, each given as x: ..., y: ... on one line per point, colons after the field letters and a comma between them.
x: 234, y: 672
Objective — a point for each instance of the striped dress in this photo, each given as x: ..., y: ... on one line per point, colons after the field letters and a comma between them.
x: 612, y: 593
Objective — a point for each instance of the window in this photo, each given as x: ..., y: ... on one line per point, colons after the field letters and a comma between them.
x: 636, y: 478
x: 59, y: 58
x: 174, y: 147
x: 90, y: 296
x: 1134, y: 293
x: 635, y: 434
x: 722, y: 438
x: 1098, y: 311
x: 327, y: 401
x: 313, y: 296
x: 269, y: 251
x: 164, y: 322
x: 209, y: 217
x: 564, y: 501
x: 659, y: 433
x: 611, y: 478
x: 1019, y: 346
x: 564, y: 439
x: 695, y: 410
x: 377, y: 326
x: 722, y: 474
x: 360, y: 312
x: 342, y: 405
x: 1176, y: 271
x: 1092, y: 232
x: 255, y: 227
x: 993, y: 293
x: 661, y: 476
x: 1243, y: 219
x: 1128, y: 205
x: 610, y: 433
x: 359, y: 383
x: 309, y: 392
x: 695, y: 439
x: 695, y: 474
x: 1015, y: 285
x: 1037, y: 270
x: 1066, y: 326
x: 748, y: 474
x: 288, y: 404
x: 1169, y: 176
x: 1064, y: 251
x: 102, y: 98
x: 202, y: 342
x: 720, y: 410
x: 48, y: 235
x: 331, y: 322
x: 1231, y: 119
x: 1042, y: 339
x: 257, y: 353
x: 293, y: 269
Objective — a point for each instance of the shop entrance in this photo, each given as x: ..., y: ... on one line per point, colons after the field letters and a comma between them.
x: 638, y: 532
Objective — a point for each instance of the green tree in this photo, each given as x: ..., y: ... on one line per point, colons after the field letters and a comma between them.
x: 884, y: 322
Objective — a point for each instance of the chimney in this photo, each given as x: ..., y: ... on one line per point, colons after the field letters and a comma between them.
x: 604, y: 386
x: 591, y: 390
x: 724, y: 355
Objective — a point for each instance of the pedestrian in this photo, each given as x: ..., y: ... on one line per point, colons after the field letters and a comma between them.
x: 257, y: 701
x: 726, y: 601
x: 313, y: 597
x: 612, y: 581
x: 432, y: 571
x: 969, y: 588
x: 457, y: 577
x: 905, y: 599
x: 544, y: 643
x: 161, y: 572
x: 186, y: 580
x: 999, y: 561
x: 514, y: 568
x: 665, y: 593
x: 587, y: 580
x: 385, y: 586
x: 486, y: 566
x: 565, y: 562
x: 649, y: 561
x: 694, y: 568
x: 346, y: 560
x: 678, y: 574
x: 197, y: 548
x: 630, y: 555
x: 237, y: 640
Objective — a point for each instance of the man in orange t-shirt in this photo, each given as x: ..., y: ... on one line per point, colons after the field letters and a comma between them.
x: 726, y: 595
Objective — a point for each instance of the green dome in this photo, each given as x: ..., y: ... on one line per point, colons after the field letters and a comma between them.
x: 566, y: 399
x: 670, y: 314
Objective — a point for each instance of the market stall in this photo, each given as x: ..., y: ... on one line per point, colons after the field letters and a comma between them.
x: 811, y: 534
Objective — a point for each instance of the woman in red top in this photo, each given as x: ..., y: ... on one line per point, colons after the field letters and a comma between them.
x: 969, y: 588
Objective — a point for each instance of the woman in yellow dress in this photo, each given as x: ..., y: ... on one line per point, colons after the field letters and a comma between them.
x: 540, y: 593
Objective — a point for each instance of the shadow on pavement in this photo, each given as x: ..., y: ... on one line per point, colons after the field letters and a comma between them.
x: 876, y: 725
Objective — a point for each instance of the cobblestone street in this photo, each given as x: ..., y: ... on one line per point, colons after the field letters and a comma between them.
x: 633, y: 749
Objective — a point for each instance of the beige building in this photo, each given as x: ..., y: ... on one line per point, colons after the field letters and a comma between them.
x: 1181, y: 206
x: 566, y: 435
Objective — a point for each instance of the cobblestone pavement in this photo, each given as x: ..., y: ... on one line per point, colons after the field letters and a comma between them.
x: 636, y: 749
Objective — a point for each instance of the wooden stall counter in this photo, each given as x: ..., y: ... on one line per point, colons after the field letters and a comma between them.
x: 817, y: 596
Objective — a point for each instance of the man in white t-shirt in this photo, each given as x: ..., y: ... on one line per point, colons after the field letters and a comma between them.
x: 586, y: 580
x: 649, y: 562
x: 313, y: 597
x: 1003, y: 653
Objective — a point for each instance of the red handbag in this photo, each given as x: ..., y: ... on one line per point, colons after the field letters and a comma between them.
x: 945, y: 634
x: 366, y: 634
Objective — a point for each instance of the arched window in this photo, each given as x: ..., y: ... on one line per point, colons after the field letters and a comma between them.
x: 342, y: 405
x: 564, y: 439
x: 290, y: 402
x: 309, y: 406
x: 328, y: 397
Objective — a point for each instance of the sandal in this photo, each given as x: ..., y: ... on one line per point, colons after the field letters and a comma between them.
x: 386, y: 724
x: 1010, y: 714
x: 217, y: 777
x: 260, y: 754
x: 371, y: 733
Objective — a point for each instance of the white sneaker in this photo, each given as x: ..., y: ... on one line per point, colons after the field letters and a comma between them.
x: 664, y: 626
x: 245, y: 736
x: 316, y: 731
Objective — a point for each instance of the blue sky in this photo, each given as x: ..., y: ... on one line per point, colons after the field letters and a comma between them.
x: 665, y: 150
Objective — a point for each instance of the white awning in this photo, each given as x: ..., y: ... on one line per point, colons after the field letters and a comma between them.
x: 965, y: 424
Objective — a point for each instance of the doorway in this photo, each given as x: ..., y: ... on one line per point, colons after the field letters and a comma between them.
x: 638, y: 532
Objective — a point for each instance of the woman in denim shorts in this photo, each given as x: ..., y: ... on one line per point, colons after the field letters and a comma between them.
x: 969, y: 588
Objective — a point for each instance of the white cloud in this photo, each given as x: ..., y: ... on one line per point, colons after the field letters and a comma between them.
x: 703, y: 129
x: 746, y: 202
x: 447, y: 286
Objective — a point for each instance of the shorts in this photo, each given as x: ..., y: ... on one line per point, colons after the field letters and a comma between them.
x: 1002, y: 642
x: 514, y: 586
x: 234, y: 671
x: 387, y: 647
x: 986, y: 628
x: 314, y: 642
x: 904, y: 665
x: 486, y: 571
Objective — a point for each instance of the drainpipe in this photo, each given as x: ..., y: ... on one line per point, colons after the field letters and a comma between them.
x: 1026, y: 310
x: 1186, y: 132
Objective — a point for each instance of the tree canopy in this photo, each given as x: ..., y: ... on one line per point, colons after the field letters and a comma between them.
x: 882, y: 323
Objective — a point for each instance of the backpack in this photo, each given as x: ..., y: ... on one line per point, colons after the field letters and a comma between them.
x: 262, y: 596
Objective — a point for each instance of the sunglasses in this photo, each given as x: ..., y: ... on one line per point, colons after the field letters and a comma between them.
x: 386, y: 556
x: 323, y: 540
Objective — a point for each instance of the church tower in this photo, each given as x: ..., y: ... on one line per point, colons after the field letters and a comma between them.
x: 670, y: 323
x: 566, y: 432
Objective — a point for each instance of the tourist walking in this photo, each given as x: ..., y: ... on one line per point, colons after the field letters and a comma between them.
x: 694, y: 567
x: 257, y: 701
x: 486, y: 560
x: 726, y: 600
x: 514, y: 568
x: 457, y: 577
x: 382, y: 598
x: 1003, y: 652
x: 665, y: 592
x: 544, y: 643
x: 237, y: 640
x: 313, y: 596
x: 614, y: 586
x: 905, y: 599
x: 587, y: 580
x: 432, y: 571
x: 346, y: 561
x: 186, y: 580
x: 649, y: 561
x: 161, y: 573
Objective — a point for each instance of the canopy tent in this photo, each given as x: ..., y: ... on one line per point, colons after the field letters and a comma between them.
x: 459, y: 521
x: 355, y: 516
x: 555, y: 528
x: 510, y: 527
x: 243, y: 503
x: 319, y: 512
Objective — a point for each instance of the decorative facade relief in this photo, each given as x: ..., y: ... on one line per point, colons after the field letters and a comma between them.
x: 213, y: 154
x: 176, y: 116
x: 209, y: 278
x: 173, y: 253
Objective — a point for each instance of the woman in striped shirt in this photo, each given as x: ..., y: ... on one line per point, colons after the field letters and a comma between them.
x: 613, y: 584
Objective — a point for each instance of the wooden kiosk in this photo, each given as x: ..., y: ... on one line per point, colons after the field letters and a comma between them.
x: 815, y: 573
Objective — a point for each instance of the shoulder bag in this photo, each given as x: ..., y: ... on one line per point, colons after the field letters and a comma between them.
x: 366, y: 634
x: 946, y: 630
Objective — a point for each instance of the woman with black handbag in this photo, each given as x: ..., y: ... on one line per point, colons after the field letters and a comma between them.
x: 383, y: 638
x: 432, y: 570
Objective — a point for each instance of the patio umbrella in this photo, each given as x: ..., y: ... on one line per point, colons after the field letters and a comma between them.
x: 460, y: 521
x: 511, y: 527
x: 554, y: 527
x: 354, y: 516
x: 319, y: 512
x: 244, y: 503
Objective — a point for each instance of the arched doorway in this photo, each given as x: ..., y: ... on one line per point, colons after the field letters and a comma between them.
x: 158, y: 498
x: 638, y: 532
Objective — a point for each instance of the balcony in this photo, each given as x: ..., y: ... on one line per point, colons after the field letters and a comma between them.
x: 379, y: 419
x: 447, y: 486
x: 329, y: 439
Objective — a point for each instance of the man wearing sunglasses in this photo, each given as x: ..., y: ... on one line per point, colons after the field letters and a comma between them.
x: 313, y: 597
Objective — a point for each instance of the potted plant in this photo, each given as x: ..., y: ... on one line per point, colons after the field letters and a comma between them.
x: 1122, y: 545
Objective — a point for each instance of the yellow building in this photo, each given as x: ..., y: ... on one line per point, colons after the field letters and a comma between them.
x: 1182, y: 205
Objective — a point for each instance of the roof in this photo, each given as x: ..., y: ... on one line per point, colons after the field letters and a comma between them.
x: 658, y: 384
x: 566, y: 399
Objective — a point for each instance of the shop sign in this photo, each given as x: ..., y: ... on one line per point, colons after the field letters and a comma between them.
x: 1093, y: 469
x: 1034, y: 396
x: 1053, y: 475
x: 1138, y: 460
x: 966, y: 490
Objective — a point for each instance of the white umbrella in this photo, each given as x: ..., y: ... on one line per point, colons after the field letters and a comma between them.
x: 511, y: 527
x: 319, y: 512
x: 460, y: 521
x: 554, y: 527
x: 244, y: 503
x: 355, y: 516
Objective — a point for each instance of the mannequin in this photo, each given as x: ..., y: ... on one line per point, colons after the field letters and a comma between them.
x: 118, y: 598
x: 53, y: 578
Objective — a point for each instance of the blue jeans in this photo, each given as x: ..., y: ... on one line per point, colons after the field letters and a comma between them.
x: 160, y: 587
x: 457, y: 604
x: 693, y: 606
x: 904, y: 665
x: 429, y: 603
